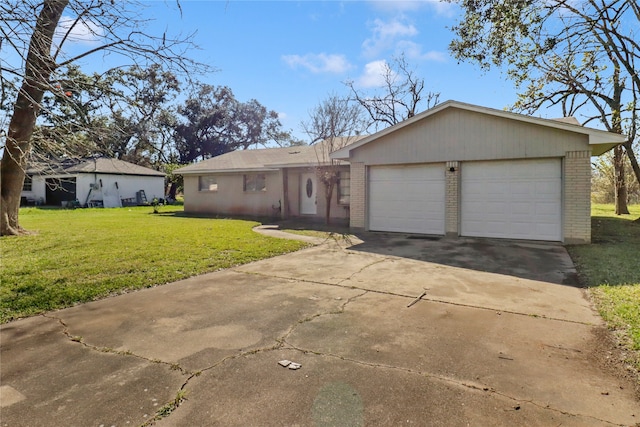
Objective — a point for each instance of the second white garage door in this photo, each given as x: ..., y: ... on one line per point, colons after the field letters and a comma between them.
x: 519, y: 199
x: 407, y: 199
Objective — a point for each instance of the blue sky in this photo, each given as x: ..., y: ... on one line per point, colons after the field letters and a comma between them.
x: 290, y: 55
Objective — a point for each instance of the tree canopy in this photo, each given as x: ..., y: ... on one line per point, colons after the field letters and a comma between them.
x: 581, y: 56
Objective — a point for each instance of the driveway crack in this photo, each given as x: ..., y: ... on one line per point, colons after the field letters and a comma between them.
x: 451, y: 381
x: 282, y: 341
x: 80, y: 340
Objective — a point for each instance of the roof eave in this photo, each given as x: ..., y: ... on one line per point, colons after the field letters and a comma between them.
x: 219, y: 171
x: 597, y: 137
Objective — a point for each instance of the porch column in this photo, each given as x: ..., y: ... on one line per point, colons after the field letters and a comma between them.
x: 284, y: 203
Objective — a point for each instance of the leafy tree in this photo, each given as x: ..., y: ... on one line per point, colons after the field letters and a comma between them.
x: 142, y: 117
x: 28, y: 29
x: 215, y: 122
x: 582, y: 56
x: 333, y: 124
x: 603, y: 176
x: 399, y: 98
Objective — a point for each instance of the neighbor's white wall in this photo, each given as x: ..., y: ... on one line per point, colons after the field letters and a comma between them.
x: 38, y: 190
x: 111, y: 195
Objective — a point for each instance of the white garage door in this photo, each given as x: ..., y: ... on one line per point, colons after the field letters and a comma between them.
x: 512, y: 199
x: 408, y: 199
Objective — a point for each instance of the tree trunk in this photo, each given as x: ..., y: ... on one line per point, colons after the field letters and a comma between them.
x: 628, y: 148
x: 38, y: 68
x: 173, y: 189
x: 620, y: 182
x: 328, y: 195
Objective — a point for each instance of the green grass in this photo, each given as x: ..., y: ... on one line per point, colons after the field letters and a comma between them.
x: 85, y: 254
x: 610, y: 266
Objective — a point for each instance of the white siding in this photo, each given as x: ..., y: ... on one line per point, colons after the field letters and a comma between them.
x: 111, y: 194
x: 460, y: 135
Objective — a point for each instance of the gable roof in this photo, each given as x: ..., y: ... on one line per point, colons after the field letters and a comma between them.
x: 103, y: 165
x: 599, y: 140
x: 266, y: 159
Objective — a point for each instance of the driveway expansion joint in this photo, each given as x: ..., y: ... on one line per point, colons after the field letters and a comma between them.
x: 412, y: 297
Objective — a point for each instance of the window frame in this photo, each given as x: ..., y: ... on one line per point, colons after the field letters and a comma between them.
x: 340, y: 193
x: 27, y: 185
x: 202, y: 188
x: 254, y: 183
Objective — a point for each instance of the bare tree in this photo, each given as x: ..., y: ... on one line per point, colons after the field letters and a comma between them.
x: 36, y: 33
x: 580, y: 55
x: 400, y: 97
x: 333, y: 124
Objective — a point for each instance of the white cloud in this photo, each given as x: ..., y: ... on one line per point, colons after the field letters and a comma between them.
x: 414, y: 51
x: 319, y: 62
x: 82, y: 32
x: 373, y: 74
x: 442, y: 8
x: 386, y: 34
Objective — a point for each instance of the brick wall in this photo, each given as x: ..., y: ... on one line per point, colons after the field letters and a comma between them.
x: 358, y: 191
x: 577, y: 197
x: 452, y: 186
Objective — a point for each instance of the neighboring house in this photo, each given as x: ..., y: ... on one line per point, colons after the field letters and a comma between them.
x: 271, y: 182
x: 93, y: 182
x: 464, y: 170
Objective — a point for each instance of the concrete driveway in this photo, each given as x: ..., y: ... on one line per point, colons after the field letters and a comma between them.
x: 500, y: 337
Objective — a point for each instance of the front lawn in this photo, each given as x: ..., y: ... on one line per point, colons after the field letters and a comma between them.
x: 610, y: 266
x: 85, y: 254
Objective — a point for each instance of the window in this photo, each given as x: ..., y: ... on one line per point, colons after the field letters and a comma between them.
x: 28, y: 183
x: 344, y: 188
x: 208, y: 183
x: 255, y: 182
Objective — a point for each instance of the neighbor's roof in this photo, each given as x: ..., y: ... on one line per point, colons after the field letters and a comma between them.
x: 601, y: 141
x: 103, y: 165
x: 266, y: 159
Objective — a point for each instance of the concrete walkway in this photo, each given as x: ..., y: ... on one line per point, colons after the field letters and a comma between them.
x: 478, y: 348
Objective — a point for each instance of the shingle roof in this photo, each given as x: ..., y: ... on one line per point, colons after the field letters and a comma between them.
x: 98, y: 165
x: 266, y: 158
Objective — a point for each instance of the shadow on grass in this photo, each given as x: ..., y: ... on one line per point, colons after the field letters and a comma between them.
x: 613, y: 257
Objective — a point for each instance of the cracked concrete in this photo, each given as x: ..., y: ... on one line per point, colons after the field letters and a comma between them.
x: 484, y: 346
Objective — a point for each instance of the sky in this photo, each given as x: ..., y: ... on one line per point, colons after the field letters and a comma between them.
x: 291, y: 55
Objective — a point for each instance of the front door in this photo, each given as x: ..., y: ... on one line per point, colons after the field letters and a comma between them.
x: 308, y: 199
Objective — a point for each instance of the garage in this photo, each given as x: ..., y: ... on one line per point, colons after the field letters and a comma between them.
x: 59, y: 191
x: 520, y: 199
x: 503, y: 175
x: 408, y: 198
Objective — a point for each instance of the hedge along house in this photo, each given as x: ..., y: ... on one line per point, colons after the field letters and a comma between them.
x: 93, y: 182
x: 464, y: 170
x: 270, y: 182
